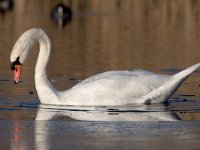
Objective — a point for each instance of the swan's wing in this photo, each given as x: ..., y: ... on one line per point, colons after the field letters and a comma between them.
x: 126, y: 87
x: 130, y: 84
x: 136, y: 73
x: 104, y: 75
x: 143, y: 72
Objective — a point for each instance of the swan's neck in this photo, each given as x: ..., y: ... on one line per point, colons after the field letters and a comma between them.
x: 46, y: 92
x: 43, y: 57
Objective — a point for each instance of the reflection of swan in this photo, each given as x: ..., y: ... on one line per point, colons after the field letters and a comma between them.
x: 109, y: 88
x: 75, y: 131
x: 47, y: 112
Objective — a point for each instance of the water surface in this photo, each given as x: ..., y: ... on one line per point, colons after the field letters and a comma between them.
x: 160, y: 36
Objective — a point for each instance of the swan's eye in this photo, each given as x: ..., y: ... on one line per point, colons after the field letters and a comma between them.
x: 12, y: 65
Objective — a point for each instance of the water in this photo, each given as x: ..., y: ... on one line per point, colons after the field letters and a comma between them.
x: 160, y: 36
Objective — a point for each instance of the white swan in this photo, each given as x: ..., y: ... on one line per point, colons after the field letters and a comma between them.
x: 112, y: 88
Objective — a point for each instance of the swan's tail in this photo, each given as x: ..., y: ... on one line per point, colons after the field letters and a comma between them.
x: 180, y: 77
x: 185, y: 73
x: 169, y: 88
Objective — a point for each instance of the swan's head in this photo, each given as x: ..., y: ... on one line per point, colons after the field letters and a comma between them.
x: 16, y: 58
x: 20, y: 50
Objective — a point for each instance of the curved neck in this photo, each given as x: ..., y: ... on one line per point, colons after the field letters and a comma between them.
x: 46, y: 92
x: 44, y: 54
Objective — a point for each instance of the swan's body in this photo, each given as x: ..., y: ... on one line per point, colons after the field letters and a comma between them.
x: 109, y: 88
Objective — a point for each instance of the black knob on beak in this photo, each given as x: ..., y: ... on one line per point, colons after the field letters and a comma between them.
x: 12, y: 65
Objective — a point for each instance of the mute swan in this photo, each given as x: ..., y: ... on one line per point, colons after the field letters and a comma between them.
x: 111, y: 88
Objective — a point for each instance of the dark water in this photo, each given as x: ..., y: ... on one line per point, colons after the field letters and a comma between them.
x: 160, y: 36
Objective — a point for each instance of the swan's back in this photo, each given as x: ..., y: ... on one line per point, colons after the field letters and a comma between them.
x: 117, y: 87
x: 126, y: 75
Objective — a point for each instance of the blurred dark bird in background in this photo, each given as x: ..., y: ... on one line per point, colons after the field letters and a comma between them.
x: 61, y: 14
x: 6, y: 5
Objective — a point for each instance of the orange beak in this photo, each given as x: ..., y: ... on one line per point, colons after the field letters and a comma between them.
x: 17, y: 73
